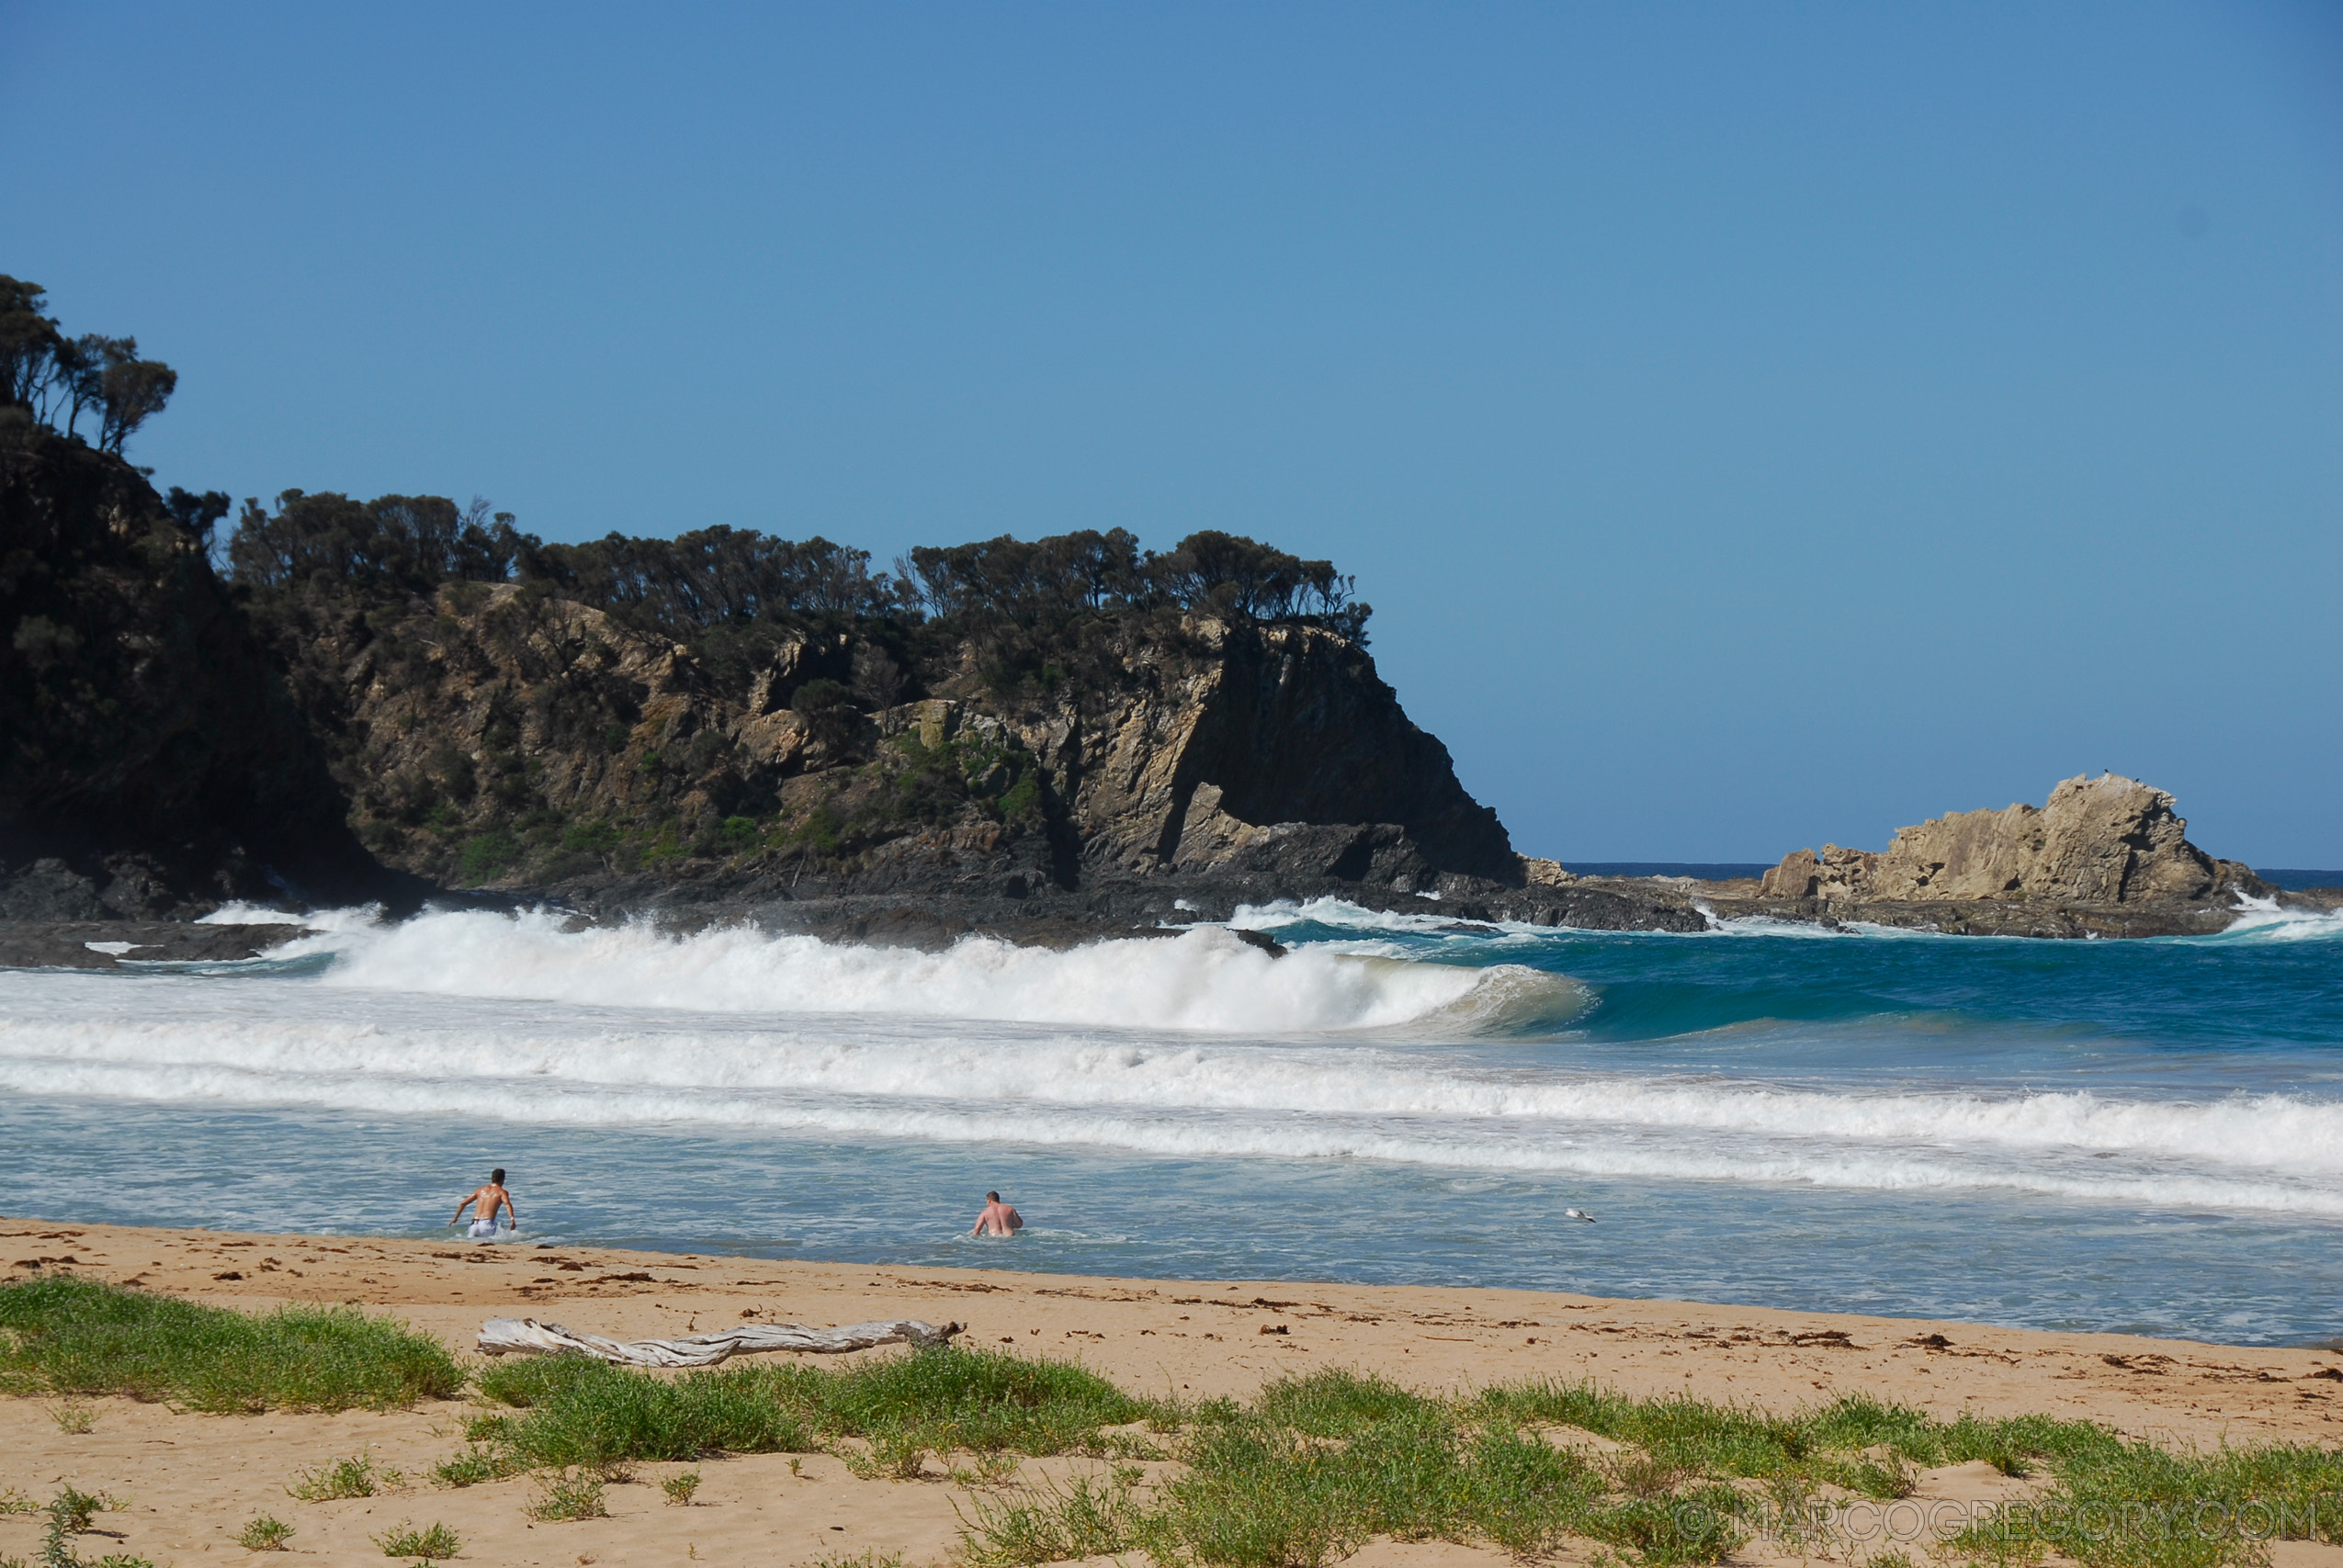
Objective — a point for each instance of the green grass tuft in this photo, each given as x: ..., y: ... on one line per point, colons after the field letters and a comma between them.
x: 264, y: 1534
x: 403, y: 1540
x: 473, y: 1466
x: 79, y: 1337
x: 74, y: 1511
x: 352, y: 1477
x: 70, y: 1513
x: 1087, y: 1518
x: 570, y: 1495
x: 572, y: 1410
x: 580, y: 1412
x: 1314, y: 1466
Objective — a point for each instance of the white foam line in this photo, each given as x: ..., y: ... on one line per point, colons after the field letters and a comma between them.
x: 1578, y: 1153
x: 1340, y: 915
x: 1142, y: 1075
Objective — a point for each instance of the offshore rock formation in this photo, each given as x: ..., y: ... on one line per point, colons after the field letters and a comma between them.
x: 2108, y: 855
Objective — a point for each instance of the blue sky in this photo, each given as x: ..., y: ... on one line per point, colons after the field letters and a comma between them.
x: 1754, y: 425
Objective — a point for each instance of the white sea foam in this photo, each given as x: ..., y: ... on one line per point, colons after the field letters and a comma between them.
x: 1204, y: 980
x: 294, y: 1043
x: 2262, y: 919
x: 238, y: 913
x: 1337, y: 914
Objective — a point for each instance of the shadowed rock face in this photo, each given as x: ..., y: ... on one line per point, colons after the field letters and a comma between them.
x: 1269, y: 748
x: 151, y: 762
x: 2098, y: 842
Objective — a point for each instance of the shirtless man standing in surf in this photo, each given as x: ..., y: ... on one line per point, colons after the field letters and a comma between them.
x: 998, y: 1219
x: 490, y: 1199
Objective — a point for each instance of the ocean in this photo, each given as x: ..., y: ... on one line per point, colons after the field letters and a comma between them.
x: 2141, y: 1136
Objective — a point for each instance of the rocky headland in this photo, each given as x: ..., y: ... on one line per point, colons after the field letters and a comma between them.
x: 402, y: 701
x: 399, y: 701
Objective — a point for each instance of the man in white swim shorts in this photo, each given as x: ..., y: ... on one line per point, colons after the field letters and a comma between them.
x: 488, y: 1200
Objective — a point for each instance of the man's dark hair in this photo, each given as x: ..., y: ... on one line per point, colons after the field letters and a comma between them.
x: 497, y: 1175
x: 992, y: 1197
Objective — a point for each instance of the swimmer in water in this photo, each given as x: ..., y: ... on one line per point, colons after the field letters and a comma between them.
x: 998, y: 1219
x: 488, y: 1199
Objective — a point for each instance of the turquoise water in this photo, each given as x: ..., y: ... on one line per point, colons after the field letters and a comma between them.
x: 2143, y: 1137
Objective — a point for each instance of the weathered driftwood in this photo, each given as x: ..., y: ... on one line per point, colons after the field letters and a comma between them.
x: 510, y: 1336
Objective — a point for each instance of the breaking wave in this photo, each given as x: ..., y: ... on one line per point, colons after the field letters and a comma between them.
x: 190, y: 1040
x: 2263, y: 919
x: 1204, y: 979
x: 1410, y: 1037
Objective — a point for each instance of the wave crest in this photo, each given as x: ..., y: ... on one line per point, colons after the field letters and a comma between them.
x: 2261, y: 920
x: 1202, y: 979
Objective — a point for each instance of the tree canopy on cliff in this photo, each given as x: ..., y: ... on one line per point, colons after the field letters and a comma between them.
x: 1051, y: 579
x: 57, y: 379
x: 708, y: 578
x: 394, y: 545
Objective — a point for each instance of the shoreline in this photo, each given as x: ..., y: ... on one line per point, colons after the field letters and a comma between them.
x: 184, y: 1486
x: 1061, y: 920
x: 1239, y: 1334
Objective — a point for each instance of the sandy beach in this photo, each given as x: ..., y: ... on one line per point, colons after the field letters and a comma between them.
x: 192, y: 1480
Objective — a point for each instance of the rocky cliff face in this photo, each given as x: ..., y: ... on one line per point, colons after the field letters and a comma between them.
x: 498, y: 736
x: 1258, y: 745
x: 153, y: 762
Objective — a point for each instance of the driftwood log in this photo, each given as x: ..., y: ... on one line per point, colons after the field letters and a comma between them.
x: 524, y: 1335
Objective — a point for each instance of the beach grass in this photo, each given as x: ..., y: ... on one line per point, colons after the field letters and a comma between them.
x: 2131, y: 1505
x: 73, y: 1513
x: 74, y: 1337
x: 570, y: 1494
x: 1315, y: 1466
x: 570, y: 1410
x: 264, y: 1533
x: 403, y: 1540
x: 356, y: 1476
x: 1088, y: 1517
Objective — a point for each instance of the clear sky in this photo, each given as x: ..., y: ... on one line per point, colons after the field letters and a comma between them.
x: 1753, y: 424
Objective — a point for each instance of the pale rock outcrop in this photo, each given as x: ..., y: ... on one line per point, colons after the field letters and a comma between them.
x: 2104, y: 841
x: 1835, y: 873
x: 1209, y: 837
